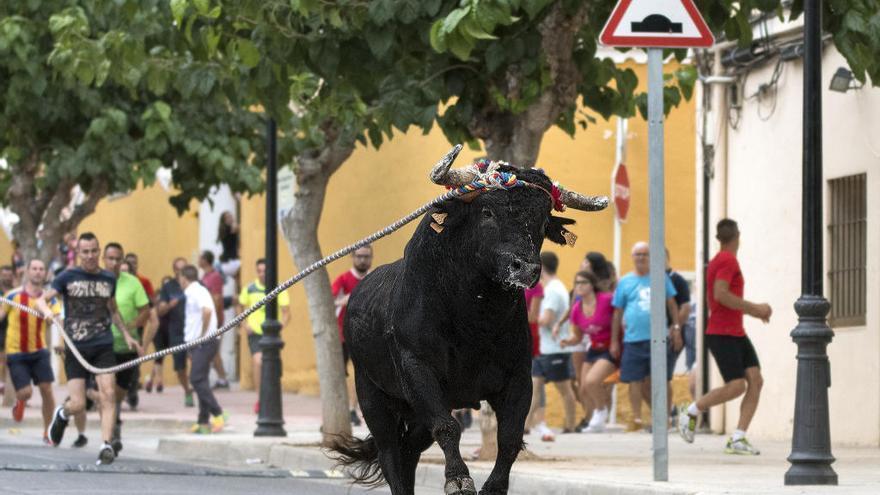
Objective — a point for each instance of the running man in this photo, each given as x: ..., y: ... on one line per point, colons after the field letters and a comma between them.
x: 90, y: 311
x: 727, y: 341
x: 27, y: 356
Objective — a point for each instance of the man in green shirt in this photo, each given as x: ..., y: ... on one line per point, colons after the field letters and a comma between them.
x: 133, y: 304
x: 252, y: 327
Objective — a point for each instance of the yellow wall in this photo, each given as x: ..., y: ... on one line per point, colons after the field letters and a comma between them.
x: 374, y: 188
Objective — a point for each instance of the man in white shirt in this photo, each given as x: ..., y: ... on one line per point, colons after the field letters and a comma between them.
x: 554, y: 362
x: 200, y: 319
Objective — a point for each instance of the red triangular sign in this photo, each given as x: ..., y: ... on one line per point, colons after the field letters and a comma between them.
x: 656, y: 23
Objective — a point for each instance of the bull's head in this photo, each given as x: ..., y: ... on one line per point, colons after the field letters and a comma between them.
x: 502, y: 231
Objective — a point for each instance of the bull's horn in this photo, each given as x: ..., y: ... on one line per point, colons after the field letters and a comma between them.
x: 442, y: 175
x: 584, y: 203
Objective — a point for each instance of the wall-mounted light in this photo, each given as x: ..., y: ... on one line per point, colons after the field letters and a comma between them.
x: 842, y: 81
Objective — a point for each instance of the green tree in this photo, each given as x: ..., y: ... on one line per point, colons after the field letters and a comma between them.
x: 70, y: 135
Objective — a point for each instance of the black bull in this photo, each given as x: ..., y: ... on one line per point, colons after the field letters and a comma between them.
x: 444, y: 328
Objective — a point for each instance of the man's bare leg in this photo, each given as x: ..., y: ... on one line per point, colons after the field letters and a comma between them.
x: 749, y: 405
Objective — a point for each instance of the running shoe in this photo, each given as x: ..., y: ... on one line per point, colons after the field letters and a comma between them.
x: 106, y: 455
x: 219, y: 422
x: 57, y: 426
x: 200, y: 429
x: 18, y: 411
x: 634, y: 425
x: 159, y: 388
x: 687, y: 425
x: 188, y: 400
x: 148, y: 386
x: 80, y: 441
x: 740, y: 447
x: 597, y: 422
x: 221, y: 384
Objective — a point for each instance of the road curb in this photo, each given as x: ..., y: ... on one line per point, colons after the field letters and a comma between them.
x: 280, y: 454
x: 94, y: 422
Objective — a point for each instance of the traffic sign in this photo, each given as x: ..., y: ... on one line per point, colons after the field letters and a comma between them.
x: 621, y: 192
x: 656, y: 23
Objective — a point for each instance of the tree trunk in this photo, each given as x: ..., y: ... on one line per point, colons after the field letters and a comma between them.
x: 43, y: 220
x: 300, y: 228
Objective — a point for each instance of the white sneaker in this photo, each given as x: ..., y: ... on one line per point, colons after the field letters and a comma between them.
x: 740, y: 447
x: 546, y: 433
x: 597, y: 422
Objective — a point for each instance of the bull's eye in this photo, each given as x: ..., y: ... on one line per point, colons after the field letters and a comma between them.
x: 487, y: 213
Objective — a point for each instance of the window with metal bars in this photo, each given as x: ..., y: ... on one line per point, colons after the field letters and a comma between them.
x: 847, y: 231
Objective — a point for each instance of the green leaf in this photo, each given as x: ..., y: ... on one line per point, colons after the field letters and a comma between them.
x: 248, y: 53
x: 178, y: 8
x: 460, y: 46
x: 469, y: 27
x: 453, y: 18
x: 163, y: 109
x: 438, y: 37
x: 202, y: 6
x: 379, y: 41
x: 495, y: 57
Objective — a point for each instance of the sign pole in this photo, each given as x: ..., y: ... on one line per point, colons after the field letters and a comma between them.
x: 657, y: 245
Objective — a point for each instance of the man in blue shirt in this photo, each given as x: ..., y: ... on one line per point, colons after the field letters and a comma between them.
x: 632, y: 311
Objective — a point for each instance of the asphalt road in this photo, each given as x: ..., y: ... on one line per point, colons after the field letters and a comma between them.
x: 27, y: 468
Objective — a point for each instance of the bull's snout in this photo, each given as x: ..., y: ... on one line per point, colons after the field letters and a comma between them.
x: 523, y: 273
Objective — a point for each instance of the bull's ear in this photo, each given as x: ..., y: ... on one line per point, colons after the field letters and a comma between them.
x: 557, y: 233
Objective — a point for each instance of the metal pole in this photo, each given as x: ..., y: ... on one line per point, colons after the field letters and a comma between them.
x: 811, y: 440
x: 657, y: 245
x: 271, y: 420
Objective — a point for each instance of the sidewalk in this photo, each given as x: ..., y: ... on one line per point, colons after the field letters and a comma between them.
x: 612, y: 462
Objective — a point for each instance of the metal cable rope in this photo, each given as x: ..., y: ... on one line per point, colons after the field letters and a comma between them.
x: 478, y: 183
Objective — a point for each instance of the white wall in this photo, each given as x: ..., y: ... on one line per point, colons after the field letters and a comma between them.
x: 764, y: 196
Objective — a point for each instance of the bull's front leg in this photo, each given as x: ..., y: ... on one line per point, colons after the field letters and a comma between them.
x: 424, y: 393
x: 511, y: 408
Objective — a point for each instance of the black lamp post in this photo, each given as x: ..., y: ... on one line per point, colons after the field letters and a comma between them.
x: 811, y: 440
x: 271, y: 420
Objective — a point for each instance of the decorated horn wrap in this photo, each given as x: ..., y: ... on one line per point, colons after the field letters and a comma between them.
x: 578, y: 201
x: 442, y: 175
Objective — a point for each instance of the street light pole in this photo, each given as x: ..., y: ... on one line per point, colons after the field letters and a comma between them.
x: 271, y: 420
x: 811, y: 440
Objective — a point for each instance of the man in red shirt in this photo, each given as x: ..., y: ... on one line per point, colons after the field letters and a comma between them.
x: 727, y: 341
x: 362, y: 260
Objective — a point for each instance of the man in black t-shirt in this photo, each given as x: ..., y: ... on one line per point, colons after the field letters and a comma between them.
x: 90, y: 311
x: 171, y: 320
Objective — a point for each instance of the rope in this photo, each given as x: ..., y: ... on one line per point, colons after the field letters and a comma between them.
x: 489, y: 179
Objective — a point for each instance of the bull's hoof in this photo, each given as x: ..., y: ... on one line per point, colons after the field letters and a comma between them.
x: 460, y: 486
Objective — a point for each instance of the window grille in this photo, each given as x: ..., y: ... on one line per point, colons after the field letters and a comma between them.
x: 848, y: 235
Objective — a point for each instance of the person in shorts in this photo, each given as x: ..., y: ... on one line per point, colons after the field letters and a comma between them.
x: 171, y: 313
x: 90, y: 311
x: 728, y: 343
x: 554, y: 363
x: 361, y: 261
x: 632, y: 308
x: 252, y: 326
x: 27, y: 355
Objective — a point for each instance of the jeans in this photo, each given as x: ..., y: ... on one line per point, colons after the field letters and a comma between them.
x: 202, y: 357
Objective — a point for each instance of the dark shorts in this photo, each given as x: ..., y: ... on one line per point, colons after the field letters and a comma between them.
x: 635, y: 364
x: 165, y: 339
x: 553, y: 367
x: 254, y: 343
x: 100, y: 356
x: 27, y: 367
x: 127, y: 378
x: 161, y: 342
x: 594, y: 355
x: 733, y: 355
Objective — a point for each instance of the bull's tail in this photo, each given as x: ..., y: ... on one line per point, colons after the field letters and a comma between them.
x: 361, y: 457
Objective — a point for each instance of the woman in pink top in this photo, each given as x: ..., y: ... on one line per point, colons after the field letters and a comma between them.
x: 591, y: 315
